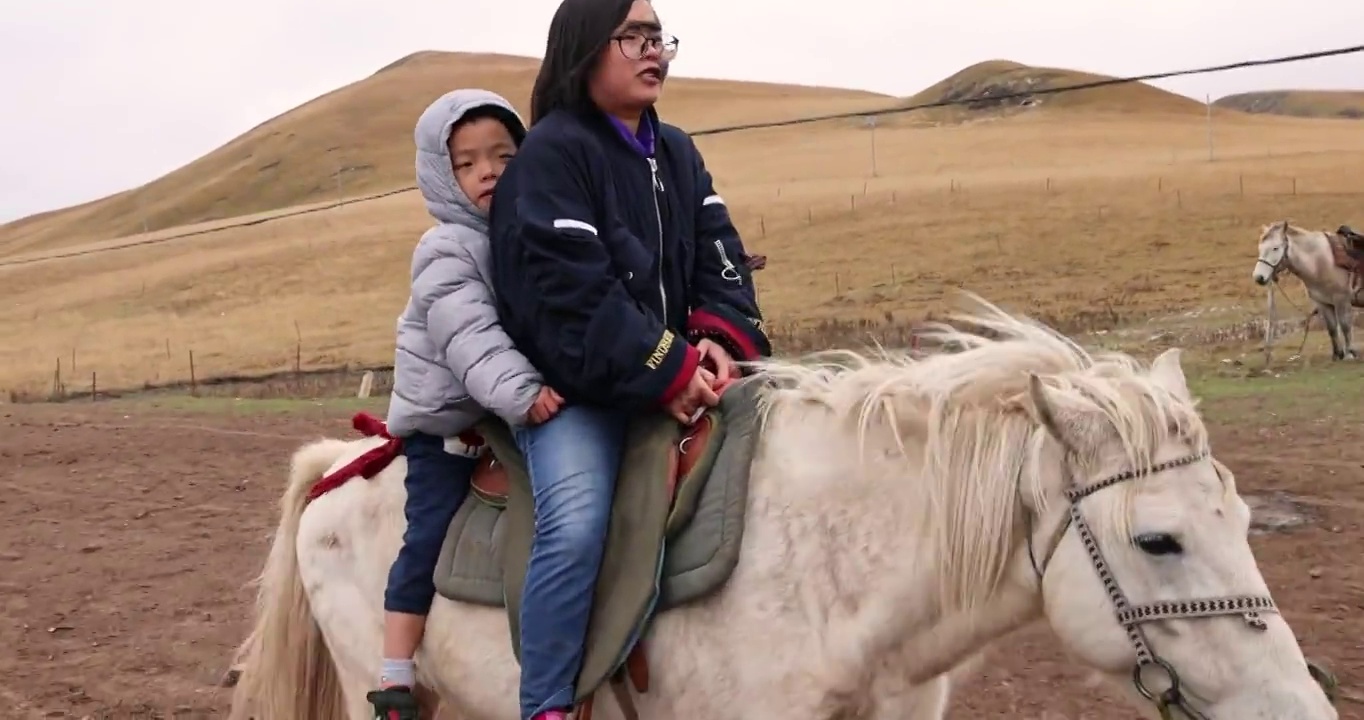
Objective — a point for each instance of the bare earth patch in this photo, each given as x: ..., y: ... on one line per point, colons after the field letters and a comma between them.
x: 131, y: 533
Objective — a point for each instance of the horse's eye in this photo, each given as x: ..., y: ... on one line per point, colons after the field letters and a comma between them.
x: 1158, y: 544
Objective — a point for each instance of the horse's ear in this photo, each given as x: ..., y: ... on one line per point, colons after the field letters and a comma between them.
x: 1049, y: 411
x: 1169, y: 374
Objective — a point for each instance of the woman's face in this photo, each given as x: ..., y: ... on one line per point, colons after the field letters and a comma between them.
x: 629, y: 74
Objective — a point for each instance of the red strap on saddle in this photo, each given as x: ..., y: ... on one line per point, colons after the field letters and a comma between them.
x: 367, y: 465
x: 376, y: 459
x: 369, y: 426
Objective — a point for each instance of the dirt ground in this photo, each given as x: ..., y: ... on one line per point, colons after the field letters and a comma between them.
x: 130, y: 534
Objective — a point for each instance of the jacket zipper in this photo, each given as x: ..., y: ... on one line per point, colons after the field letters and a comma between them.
x: 658, y: 216
x: 728, y: 267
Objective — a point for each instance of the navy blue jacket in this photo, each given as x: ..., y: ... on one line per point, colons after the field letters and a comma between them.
x: 606, y: 262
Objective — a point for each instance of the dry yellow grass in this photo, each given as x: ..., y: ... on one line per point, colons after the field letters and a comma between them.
x: 1086, y: 217
x: 364, y: 130
x: 1299, y: 103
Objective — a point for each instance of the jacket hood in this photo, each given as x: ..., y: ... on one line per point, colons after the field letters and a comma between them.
x: 435, y: 175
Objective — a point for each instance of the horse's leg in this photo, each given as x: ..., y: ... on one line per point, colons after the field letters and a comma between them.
x: 1345, y: 316
x: 1328, y: 318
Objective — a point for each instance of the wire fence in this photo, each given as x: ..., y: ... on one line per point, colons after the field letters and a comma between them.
x: 1088, y: 203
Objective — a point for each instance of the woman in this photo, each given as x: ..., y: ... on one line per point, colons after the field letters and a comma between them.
x: 620, y: 276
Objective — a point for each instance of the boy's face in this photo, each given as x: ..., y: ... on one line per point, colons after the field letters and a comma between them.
x: 479, y: 151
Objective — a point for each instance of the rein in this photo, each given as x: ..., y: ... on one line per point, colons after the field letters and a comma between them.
x: 1133, y: 617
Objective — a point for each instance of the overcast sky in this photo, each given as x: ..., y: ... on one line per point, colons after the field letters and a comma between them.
x: 100, y: 95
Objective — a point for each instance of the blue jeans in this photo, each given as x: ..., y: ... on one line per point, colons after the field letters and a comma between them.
x: 437, y: 483
x: 572, y: 461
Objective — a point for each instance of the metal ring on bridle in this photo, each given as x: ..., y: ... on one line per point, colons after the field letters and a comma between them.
x: 1170, y: 673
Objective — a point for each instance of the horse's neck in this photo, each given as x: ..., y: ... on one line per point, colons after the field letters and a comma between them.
x: 950, y: 638
x: 1309, y: 257
x: 857, y: 552
x: 902, y: 624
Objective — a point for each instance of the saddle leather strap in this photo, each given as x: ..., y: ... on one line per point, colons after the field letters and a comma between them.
x: 636, y: 672
x: 622, y: 693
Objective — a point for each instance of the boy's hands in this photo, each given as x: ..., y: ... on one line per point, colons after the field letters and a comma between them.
x: 546, y: 406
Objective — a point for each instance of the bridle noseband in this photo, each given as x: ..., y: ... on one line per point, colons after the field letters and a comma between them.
x: 1276, y: 267
x: 1132, y: 617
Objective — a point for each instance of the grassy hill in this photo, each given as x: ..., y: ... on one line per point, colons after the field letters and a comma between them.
x: 1094, y: 219
x: 995, y: 83
x: 356, y: 140
x: 1094, y: 210
x: 1347, y: 104
x: 364, y: 131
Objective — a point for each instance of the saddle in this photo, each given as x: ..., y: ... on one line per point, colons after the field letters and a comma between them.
x: 1354, y: 242
x: 1347, y: 249
x: 676, y: 525
x: 692, y: 454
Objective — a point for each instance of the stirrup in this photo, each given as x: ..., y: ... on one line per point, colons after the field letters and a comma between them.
x: 395, y: 703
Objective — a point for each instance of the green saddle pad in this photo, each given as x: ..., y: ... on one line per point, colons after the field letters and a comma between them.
x: 659, y: 554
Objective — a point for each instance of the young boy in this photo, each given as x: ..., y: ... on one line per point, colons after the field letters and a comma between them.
x: 453, y: 362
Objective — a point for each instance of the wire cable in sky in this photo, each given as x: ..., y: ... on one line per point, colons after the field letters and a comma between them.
x: 898, y: 109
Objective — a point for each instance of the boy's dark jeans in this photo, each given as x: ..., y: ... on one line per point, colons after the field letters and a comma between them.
x: 437, y: 483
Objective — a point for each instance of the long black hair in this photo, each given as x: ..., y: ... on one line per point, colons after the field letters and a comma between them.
x: 580, y: 30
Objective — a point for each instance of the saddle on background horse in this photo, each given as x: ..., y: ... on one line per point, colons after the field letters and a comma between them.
x: 1347, y: 249
x: 676, y: 525
x: 1353, y: 240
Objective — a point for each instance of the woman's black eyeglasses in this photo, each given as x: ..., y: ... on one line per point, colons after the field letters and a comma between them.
x: 635, y: 46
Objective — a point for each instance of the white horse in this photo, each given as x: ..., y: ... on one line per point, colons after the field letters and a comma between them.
x: 1333, y: 289
x: 903, y: 515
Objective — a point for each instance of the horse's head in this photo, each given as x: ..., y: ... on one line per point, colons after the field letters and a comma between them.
x: 1273, y: 252
x: 1141, y: 540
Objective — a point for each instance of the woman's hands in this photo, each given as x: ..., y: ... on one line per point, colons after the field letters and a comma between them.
x: 716, y: 359
x: 717, y: 369
x: 696, y: 396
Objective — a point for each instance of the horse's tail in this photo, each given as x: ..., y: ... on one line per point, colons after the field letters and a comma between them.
x: 286, y: 670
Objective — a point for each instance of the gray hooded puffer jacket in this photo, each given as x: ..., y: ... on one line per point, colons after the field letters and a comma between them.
x: 453, y: 361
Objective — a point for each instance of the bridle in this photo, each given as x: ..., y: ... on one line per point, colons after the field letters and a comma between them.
x: 1133, y: 617
x: 1276, y: 267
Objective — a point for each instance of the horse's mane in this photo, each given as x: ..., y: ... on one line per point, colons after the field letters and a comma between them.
x: 1289, y: 230
x: 965, y: 399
